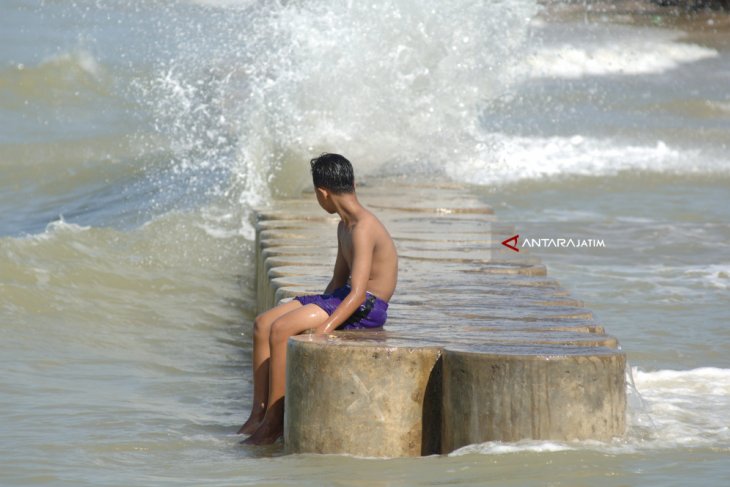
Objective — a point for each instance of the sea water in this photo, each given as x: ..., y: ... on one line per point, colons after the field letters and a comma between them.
x: 136, y: 137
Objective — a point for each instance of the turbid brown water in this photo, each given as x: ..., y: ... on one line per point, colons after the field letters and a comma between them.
x: 136, y: 138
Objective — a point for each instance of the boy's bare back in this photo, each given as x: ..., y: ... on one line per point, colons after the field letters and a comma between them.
x: 367, y: 261
x: 367, y: 235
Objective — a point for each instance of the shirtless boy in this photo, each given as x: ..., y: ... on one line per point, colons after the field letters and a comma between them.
x: 357, y: 296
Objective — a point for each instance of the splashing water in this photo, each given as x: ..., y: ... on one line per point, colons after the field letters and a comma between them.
x: 390, y: 84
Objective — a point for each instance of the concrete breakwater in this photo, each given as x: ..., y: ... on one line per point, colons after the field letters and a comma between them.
x: 480, y: 345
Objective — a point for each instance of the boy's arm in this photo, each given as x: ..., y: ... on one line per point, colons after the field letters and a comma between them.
x: 341, y: 272
x: 363, y: 244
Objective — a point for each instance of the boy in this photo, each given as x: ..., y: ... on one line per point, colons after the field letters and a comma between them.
x: 363, y: 281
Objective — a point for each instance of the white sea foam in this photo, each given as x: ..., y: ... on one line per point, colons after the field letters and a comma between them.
x: 499, y: 448
x: 79, y: 59
x: 230, y: 4
x: 693, y: 285
x: 713, y: 275
x: 687, y: 407
x: 614, y: 50
x: 676, y: 408
x: 59, y: 227
x: 575, y: 62
x: 723, y: 107
x: 513, y: 158
x: 688, y: 281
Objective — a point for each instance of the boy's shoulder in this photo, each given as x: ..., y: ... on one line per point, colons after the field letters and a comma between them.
x: 368, y: 221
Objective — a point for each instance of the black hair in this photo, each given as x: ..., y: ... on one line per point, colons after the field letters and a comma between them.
x: 333, y: 172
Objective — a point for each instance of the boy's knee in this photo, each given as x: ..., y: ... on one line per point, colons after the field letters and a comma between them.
x: 261, y: 326
x: 278, y: 332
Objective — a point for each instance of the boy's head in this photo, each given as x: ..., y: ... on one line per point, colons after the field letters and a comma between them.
x: 334, y: 173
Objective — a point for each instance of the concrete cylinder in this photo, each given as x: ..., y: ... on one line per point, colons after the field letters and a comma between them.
x: 512, y: 393
x: 376, y: 397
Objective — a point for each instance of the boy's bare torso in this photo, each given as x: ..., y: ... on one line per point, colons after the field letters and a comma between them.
x: 384, y: 264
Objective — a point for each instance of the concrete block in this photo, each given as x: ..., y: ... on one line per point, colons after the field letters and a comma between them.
x: 512, y: 393
x: 376, y: 398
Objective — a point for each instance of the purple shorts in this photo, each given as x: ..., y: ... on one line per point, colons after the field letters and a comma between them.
x: 371, y: 314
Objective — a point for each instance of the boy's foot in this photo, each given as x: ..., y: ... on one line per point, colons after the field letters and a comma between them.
x: 266, y: 434
x: 251, y: 424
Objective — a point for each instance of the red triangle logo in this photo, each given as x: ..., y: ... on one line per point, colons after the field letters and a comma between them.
x: 513, y: 245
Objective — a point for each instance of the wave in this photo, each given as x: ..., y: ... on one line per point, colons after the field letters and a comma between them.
x: 59, y: 227
x: 690, y: 281
x: 57, y: 80
x: 399, y: 87
x: 623, y: 56
x: 668, y: 409
x: 506, y: 159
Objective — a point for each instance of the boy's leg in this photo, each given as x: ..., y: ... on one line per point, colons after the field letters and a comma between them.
x: 288, y: 325
x: 260, y: 363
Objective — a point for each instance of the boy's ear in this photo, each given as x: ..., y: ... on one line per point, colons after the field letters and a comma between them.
x: 322, y: 192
